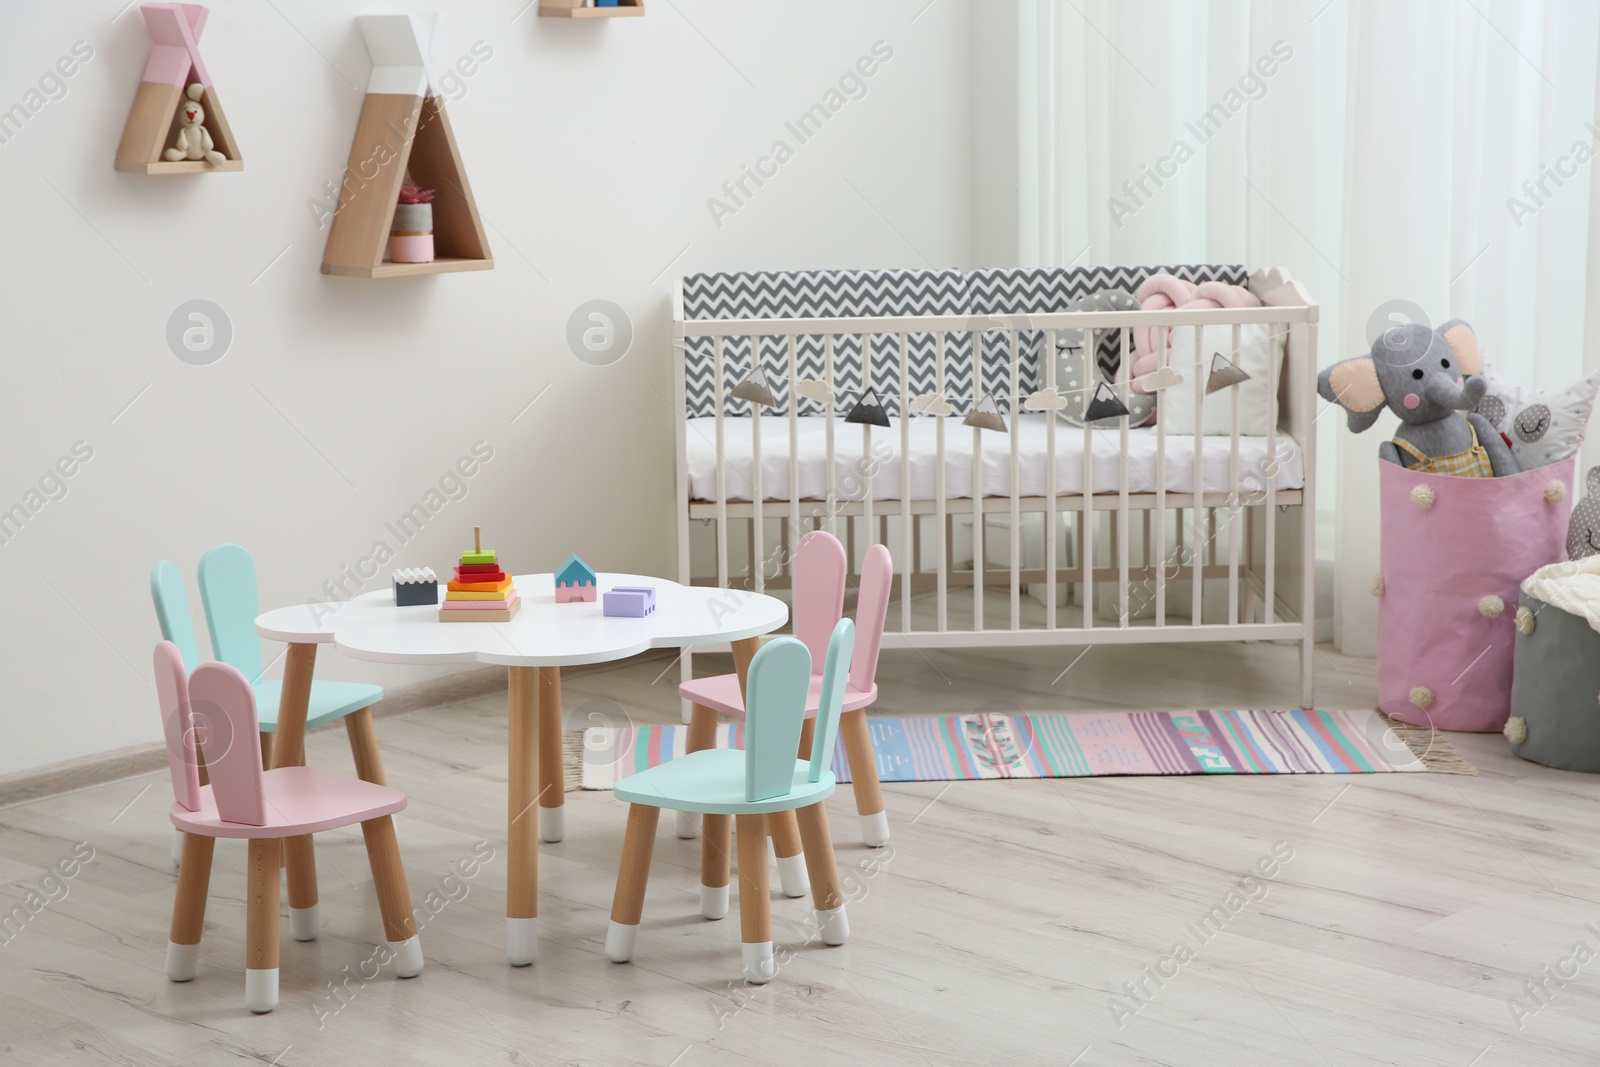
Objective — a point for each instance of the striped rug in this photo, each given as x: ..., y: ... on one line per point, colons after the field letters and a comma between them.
x: 1081, y: 745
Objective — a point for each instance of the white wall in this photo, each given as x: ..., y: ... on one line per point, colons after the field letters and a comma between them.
x: 592, y: 149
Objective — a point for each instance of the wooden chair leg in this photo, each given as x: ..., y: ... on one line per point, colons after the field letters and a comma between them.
x: 266, y: 751
x: 716, y: 838
x: 394, y: 896
x: 364, y: 746
x: 826, y: 895
x: 552, y: 775
x: 189, y: 907
x: 261, y: 925
x: 864, y: 778
x: 786, y: 844
x: 755, y: 909
x: 808, y: 737
x: 300, y: 859
x: 702, y: 735
x: 628, y: 904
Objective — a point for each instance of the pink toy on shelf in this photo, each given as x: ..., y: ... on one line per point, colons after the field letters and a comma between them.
x: 629, y: 601
x: 575, y: 581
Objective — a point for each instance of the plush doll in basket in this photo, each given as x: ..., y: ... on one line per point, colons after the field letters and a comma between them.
x: 1429, y: 378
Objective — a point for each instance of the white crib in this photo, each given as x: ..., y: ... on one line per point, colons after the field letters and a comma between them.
x: 1152, y: 537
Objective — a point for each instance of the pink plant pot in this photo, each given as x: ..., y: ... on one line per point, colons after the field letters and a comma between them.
x: 411, y: 247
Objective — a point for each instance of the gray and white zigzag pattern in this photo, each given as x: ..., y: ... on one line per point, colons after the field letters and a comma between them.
x: 860, y: 293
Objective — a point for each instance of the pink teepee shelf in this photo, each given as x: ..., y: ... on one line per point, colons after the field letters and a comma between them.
x: 174, y: 65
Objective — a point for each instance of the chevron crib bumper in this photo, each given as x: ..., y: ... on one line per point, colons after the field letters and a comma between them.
x: 868, y: 293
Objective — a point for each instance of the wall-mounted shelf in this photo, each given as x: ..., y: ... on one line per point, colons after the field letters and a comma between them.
x: 174, y: 65
x: 403, y: 127
x: 570, y: 9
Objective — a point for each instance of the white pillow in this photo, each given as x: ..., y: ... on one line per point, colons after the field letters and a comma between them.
x: 1257, y: 355
x: 1544, y: 425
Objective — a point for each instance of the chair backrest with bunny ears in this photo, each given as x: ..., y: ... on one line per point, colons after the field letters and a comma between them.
x: 228, y: 593
x: 222, y: 697
x: 836, y: 668
x: 872, y: 614
x: 775, y: 702
x: 820, y: 570
x: 177, y: 720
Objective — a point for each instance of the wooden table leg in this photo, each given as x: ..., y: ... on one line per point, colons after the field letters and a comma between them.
x: 364, y: 746
x: 743, y: 652
x: 522, y: 837
x: 552, y: 776
x: 702, y: 735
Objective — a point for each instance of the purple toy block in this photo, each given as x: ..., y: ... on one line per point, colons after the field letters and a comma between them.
x: 630, y: 601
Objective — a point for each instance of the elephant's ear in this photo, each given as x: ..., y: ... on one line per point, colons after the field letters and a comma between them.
x: 1354, y: 386
x: 1464, y: 343
x: 1593, y: 482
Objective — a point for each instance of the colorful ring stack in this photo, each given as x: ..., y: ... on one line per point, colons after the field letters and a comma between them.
x: 480, y: 591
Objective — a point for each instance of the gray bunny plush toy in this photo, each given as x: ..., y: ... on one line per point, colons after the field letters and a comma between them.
x: 1428, y: 378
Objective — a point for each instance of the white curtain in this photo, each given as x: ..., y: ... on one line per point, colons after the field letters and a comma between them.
x: 1377, y: 149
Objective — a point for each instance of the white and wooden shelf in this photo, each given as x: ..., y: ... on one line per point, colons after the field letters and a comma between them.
x: 572, y: 9
x: 174, y: 65
x: 403, y: 128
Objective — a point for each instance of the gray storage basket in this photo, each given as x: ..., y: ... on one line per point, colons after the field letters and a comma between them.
x: 1555, y: 690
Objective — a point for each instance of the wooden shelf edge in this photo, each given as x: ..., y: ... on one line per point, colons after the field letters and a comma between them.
x: 187, y: 166
x: 631, y: 11
x: 442, y: 265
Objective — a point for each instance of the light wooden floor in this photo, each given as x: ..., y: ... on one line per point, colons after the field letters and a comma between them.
x: 997, y: 930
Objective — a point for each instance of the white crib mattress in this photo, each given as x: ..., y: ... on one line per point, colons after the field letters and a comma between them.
x: 1255, y: 466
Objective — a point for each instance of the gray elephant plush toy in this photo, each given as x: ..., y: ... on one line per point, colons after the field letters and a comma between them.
x: 1428, y: 378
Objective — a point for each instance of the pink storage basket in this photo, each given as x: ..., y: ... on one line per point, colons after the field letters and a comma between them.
x: 1449, y: 545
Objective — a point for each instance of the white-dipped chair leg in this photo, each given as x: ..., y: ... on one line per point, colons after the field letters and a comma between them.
x: 521, y: 941
x: 177, y: 848
x: 875, y: 829
x: 759, y: 965
x: 552, y: 824
x: 407, y: 956
x: 833, y: 926
x: 261, y: 989
x: 183, y: 961
x: 304, y: 923
x: 688, y: 825
x: 714, y: 901
x: 792, y: 875
x: 620, y: 939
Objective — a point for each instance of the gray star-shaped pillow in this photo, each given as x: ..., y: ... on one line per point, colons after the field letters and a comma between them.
x: 1544, y: 425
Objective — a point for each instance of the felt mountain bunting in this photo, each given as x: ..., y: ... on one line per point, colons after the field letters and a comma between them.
x: 755, y: 389
x: 1224, y: 373
x: 481, y: 591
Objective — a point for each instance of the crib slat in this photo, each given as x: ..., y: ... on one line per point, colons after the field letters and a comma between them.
x: 866, y: 449
x: 943, y: 577
x: 1016, y: 466
x: 1270, y: 594
x: 758, y: 548
x: 833, y: 495
x: 794, y: 530
x: 1123, y: 592
x: 1197, y: 580
x: 907, y: 559
x: 1161, y: 481
x: 979, y: 561
x: 1086, y: 500
x: 1233, y: 497
x: 1050, y: 488
x: 722, y: 470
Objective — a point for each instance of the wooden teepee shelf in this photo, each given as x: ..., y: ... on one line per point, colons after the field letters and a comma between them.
x: 174, y: 65
x: 403, y: 127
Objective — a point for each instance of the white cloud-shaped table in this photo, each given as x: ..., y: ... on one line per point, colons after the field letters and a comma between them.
x: 543, y: 637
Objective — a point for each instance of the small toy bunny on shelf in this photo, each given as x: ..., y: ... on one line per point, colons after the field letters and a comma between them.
x: 194, y: 140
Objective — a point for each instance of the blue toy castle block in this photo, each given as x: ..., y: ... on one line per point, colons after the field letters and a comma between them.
x: 629, y: 601
x: 575, y: 581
